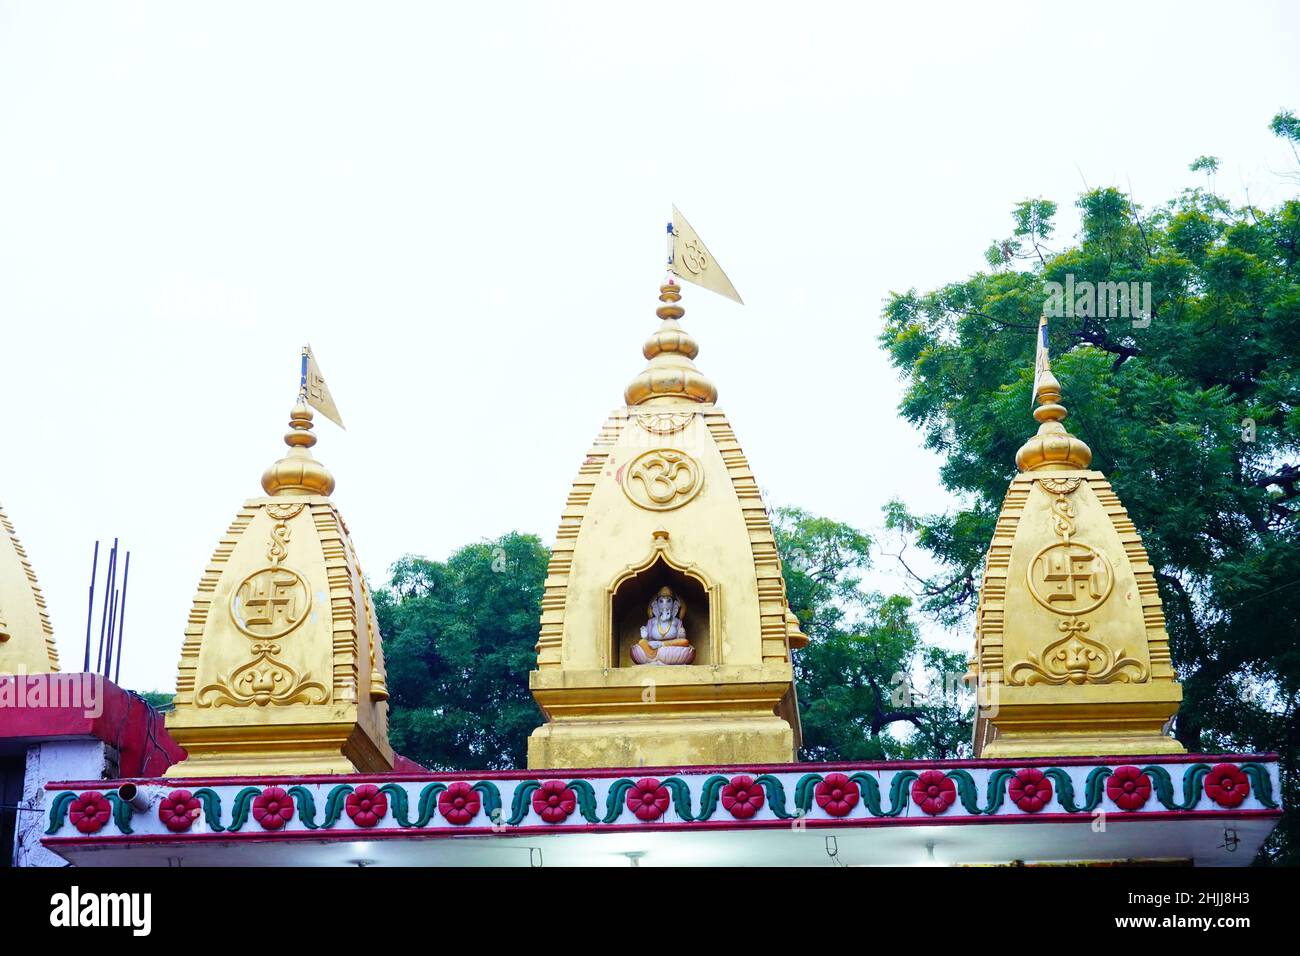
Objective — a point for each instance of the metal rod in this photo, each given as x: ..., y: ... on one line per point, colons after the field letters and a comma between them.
x: 121, y: 620
x: 103, y: 618
x: 90, y: 608
x: 112, y: 620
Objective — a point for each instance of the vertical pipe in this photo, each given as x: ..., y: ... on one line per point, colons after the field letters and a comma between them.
x: 103, y: 619
x: 121, y: 620
x: 90, y: 607
x: 112, y: 620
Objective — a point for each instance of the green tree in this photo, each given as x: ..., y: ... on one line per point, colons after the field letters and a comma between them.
x: 1193, y: 410
x: 459, y: 641
x: 865, y: 670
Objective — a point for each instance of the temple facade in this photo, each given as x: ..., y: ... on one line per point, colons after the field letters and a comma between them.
x: 665, y: 681
x: 666, y: 636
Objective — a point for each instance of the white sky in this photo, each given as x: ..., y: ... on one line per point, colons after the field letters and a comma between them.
x: 462, y: 208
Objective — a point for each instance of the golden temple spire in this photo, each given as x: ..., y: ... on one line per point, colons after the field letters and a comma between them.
x: 671, y: 376
x: 666, y: 636
x: 1053, y: 448
x: 282, y: 669
x: 298, y: 473
x: 1071, y: 652
x: 26, y: 638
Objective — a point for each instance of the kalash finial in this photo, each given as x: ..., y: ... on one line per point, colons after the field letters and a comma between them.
x: 298, y: 473
x: 671, y: 375
x: 1053, y: 448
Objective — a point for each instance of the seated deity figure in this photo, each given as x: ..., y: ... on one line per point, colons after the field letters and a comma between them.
x: 663, y: 637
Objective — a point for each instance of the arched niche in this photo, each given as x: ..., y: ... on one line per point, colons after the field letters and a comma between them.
x: 630, y: 595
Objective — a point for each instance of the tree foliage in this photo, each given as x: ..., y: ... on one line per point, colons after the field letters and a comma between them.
x: 865, y: 670
x: 1193, y: 411
x: 459, y: 640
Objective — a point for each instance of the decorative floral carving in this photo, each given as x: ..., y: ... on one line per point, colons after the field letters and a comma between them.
x: 836, y: 794
x: 554, y: 801
x: 1129, y: 788
x: 273, y: 808
x: 263, y: 680
x: 178, y: 810
x: 1061, y: 486
x: 1076, y: 658
x: 1227, y: 785
x: 1075, y: 790
x: 89, y: 812
x: 934, y: 792
x: 366, y: 805
x: 662, y: 479
x: 742, y: 797
x: 648, y: 799
x: 1030, y: 790
x: 664, y: 423
x: 459, y: 803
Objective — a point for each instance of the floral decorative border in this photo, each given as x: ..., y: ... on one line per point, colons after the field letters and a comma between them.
x: 845, y: 795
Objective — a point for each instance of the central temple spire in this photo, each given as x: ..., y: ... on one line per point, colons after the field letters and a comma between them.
x: 671, y: 376
x: 666, y: 637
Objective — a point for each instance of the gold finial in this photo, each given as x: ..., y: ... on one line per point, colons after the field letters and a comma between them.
x: 671, y: 375
x: 298, y: 473
x: 1053, y: 448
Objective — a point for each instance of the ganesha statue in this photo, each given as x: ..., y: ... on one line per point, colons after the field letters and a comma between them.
x: 663, y: 636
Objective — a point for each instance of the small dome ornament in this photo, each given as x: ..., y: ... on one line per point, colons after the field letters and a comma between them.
x: 1053, y: 448
x: 671, y: 375
x: 298, y: 473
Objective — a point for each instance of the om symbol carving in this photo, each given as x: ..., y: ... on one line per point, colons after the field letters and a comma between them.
x: 662, y: 479
x: 694, y: 257
x: 270, y: 603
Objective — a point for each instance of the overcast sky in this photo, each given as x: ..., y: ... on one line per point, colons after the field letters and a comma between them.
x: 462, y: 207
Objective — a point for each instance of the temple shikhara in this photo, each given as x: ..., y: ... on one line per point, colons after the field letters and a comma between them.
x: 669, y: 720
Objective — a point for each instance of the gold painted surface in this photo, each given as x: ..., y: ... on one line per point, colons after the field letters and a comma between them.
x: 671, y: 376
x: 281, y: 670
x: 26, y: 637
x: 1071, y: 652
x: 665, y: 495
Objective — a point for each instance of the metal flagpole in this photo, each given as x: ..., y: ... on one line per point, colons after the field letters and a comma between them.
x: 121, y: 620
x: 103, y: 619
x: 90, y: 607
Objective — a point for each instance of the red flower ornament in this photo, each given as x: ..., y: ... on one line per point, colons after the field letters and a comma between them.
x: 178, y: 810
x: 459, y: 803
x: 742, y: 797
x: 836, y: 794
x: 273, y: 808
x: 366, y: 805
x: 648, y: 799
x: 1227, y: 785
x: 933, y: 792
x: 1128, y: 787
x: 89, y: 812
x: 554, y: 801
x: 1030, y: 790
